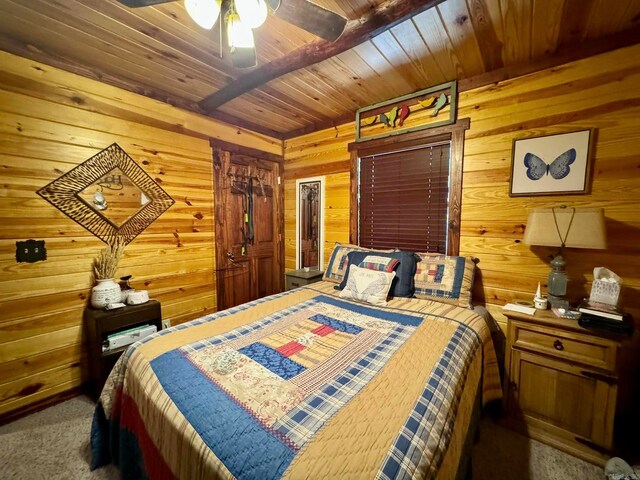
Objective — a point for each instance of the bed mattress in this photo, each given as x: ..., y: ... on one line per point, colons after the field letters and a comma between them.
x: 301, y: 384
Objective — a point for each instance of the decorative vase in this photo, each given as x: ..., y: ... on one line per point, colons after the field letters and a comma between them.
x: 105, y: 292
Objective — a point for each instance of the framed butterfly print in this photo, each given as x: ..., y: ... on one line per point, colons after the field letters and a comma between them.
x: 558, y: 164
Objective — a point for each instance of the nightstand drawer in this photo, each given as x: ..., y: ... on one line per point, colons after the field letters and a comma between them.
x: 299, y: 278
x: 295, y: 282
x: 572, y: 346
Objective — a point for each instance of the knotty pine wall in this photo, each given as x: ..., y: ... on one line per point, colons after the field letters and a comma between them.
x: 601, y: 92
x: 50, y: 121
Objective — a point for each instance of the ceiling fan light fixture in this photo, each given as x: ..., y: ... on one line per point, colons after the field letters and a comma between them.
x: 253, y: 13
x: 241, y: 44
x: 239, y: 33
x: 203, y: 12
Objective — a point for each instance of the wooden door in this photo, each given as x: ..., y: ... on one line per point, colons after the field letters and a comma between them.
x: 562, y: 399
x: 247, y: 268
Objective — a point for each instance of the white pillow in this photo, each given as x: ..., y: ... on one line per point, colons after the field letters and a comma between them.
x: 367, y: 285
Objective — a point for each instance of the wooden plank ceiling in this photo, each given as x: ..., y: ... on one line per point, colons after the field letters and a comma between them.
x: 160, y: 52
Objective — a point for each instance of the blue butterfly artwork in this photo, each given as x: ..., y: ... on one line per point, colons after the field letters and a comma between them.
x: 558, y: 169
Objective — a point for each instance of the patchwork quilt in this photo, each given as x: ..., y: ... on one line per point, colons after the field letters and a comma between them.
x: 302, y: 384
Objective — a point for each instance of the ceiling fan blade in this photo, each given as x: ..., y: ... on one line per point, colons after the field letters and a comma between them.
x: 310, y: 17
x: 243, y: 57
x: 143, y: 3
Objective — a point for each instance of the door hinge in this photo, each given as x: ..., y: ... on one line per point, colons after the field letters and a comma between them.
x: 279, y: 180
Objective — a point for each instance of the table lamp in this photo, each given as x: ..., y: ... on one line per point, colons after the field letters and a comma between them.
x: 564, y: 227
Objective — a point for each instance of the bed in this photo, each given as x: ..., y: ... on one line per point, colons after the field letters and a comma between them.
x: 302, y: 384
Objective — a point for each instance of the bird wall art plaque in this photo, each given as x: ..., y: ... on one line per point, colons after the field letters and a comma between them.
x: 429, y: 108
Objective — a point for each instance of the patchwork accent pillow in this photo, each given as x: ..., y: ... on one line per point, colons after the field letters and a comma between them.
x: 444, y: 279
x: 371, y: 286
x: 377, y: 262
x: 402, y: 285
x: 338, y: 264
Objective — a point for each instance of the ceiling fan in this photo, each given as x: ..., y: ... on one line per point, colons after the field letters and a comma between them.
x: 241, y: 16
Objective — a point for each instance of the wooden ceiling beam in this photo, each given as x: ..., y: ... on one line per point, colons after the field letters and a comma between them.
x: 382, y: 18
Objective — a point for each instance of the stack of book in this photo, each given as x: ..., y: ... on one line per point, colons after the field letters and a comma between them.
x: 121, y: 339
x: 604, y: 316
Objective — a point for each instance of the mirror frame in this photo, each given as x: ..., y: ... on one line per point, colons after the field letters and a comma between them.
x: 63, y: 192
x: 320, y: 219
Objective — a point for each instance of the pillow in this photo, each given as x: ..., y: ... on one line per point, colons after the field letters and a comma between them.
x: 444, y: 279
x: 380, y: 263
x: 367, y: 285
x: 337, y: 267
x: 402, y: 285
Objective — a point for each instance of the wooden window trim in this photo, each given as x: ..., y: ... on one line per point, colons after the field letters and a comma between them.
x: 454, y: 133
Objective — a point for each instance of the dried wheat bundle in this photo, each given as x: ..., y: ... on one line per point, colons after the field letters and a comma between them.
x: 106, y: 263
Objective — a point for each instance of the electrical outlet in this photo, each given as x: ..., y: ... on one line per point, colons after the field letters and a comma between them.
x: 166, y: 324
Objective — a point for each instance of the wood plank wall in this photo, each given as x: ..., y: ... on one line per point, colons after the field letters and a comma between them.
x: 50, y: 121
x: 601, y: 92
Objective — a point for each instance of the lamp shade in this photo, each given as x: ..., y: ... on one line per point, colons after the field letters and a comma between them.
x: 203, y: 12
x: 566, y: 227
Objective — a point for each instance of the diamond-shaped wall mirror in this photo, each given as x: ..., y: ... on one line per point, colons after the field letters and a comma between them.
x: 115, y: 196
x: 109, y: 195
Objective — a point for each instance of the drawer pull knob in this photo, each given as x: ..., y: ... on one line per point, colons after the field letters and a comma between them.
x: 558, y: 345
x: 514, y: 386
x: 295, y: 284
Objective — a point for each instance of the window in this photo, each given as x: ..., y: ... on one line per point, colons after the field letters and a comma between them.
x: 406, y: 190
x: 404, y: 199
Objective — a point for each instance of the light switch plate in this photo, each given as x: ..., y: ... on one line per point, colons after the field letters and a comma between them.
x: 30, y: 251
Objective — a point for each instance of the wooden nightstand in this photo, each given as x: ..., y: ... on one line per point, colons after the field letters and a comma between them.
x: 298, y: 278
x: 101, y: 323
x: 561, y: 383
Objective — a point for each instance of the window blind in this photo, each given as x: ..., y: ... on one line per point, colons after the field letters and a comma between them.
x: 404, y: 199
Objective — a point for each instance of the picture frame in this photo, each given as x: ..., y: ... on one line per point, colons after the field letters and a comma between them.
x: 555, y: 164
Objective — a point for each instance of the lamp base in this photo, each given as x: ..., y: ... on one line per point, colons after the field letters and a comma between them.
x: 557, y: 302
x: 557, y: 283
